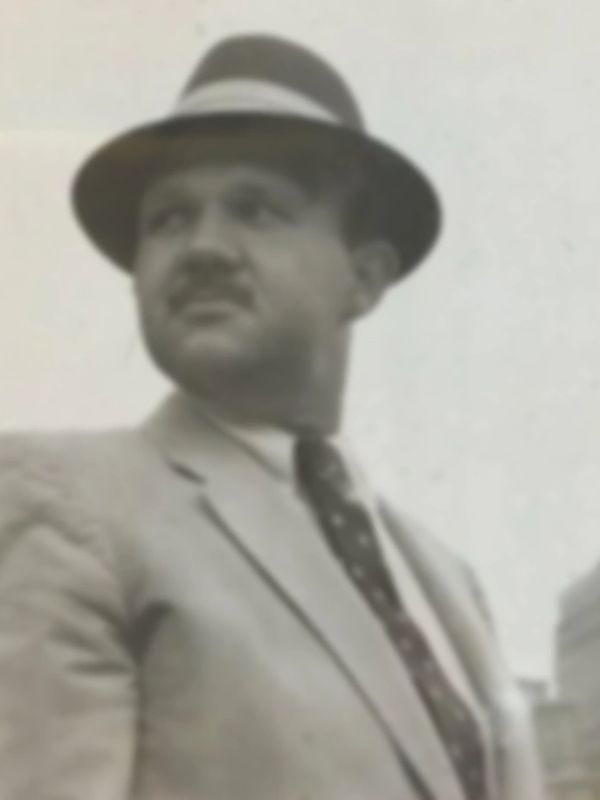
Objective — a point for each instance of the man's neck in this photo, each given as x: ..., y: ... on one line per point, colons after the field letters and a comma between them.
x: 297, y: 404
x: 301, y: 417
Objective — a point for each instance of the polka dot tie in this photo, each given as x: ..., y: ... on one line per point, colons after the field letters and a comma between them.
x: 348, y: 528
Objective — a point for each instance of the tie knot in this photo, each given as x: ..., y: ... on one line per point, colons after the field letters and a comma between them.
x: 319, y: 464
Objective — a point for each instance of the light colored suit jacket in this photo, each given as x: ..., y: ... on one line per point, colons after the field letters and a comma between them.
x: 170, y: 630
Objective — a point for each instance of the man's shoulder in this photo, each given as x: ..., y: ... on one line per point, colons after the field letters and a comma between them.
x: 409, y: 532
x: 34, y: 450
x: 42, y: 465
x: 424, y: 550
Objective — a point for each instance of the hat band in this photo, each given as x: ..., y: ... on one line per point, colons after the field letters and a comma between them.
x: 252, y: 96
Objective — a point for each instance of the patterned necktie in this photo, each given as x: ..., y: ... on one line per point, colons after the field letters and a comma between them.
x: 349, y: 531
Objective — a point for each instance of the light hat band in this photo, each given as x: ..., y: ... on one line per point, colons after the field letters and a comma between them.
x: 252, y: 96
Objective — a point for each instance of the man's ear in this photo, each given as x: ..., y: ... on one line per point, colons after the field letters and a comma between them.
x: 376, y: 264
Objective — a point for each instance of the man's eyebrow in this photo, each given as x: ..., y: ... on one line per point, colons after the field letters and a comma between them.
x: 281, y: 185
x: 163, y: 193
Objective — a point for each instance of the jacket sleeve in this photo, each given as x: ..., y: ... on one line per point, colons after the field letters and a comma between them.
x: 67, y: 692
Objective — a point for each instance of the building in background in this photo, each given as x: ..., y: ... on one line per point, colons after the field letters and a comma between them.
x: 557, y: 727
x: 578, y: 664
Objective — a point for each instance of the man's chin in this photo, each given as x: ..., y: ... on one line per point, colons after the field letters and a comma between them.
x: 208, y: 358
x: 211, y: 336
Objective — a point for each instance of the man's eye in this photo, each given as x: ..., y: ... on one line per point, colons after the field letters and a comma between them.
x: 166, y: 220
x: 258, y: 210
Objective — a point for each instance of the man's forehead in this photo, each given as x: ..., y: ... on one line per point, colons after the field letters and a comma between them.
x: 224, y: 173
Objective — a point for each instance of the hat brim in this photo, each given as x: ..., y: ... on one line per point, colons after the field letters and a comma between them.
x: 108, y: 187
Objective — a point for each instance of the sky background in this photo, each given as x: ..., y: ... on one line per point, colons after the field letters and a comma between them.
x: 474, y: 393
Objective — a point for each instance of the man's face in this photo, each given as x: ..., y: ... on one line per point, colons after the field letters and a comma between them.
x: 240, y: 270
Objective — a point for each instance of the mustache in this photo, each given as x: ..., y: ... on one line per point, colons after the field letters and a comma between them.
x: 210, y: 281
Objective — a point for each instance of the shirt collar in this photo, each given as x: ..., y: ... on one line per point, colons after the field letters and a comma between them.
x: 272, y: 448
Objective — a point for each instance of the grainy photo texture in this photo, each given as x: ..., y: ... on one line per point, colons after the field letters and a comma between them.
x: 296, y: 485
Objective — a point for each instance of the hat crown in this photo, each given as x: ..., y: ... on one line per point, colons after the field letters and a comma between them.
x: 277, y: 62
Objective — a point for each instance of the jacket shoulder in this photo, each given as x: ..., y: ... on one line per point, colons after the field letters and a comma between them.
x: 42, y: 473
x: 421, y: 546
x: 44, y: 455
x: 407, y: 530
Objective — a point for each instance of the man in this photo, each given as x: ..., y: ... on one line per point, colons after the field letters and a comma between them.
x: 213, y: 606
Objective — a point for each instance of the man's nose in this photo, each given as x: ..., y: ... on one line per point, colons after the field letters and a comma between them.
x: 213, y: 240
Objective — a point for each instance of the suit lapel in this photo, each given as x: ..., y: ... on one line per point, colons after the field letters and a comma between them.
x: 270, y: 527
x: 454, y: 596
x: 446, y: 587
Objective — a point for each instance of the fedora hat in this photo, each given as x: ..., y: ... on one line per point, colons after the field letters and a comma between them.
x: 253, y: 92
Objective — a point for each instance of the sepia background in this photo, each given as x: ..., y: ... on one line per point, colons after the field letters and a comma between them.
x: 475, y: 389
